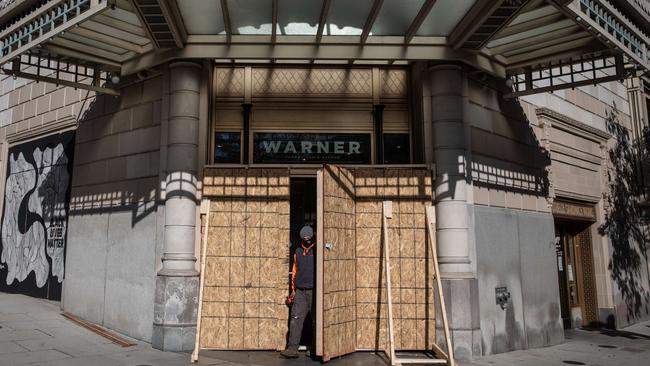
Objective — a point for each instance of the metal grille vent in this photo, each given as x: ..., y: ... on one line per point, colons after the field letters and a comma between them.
x: 158, y: 23
x: 499, y: 18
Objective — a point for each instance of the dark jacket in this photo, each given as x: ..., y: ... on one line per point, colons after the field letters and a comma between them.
x: 304, y: 267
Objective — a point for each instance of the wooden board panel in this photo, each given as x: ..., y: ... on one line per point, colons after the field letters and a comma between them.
x: 411, y: 265
x: 339, y: 318
x: 246, y: 259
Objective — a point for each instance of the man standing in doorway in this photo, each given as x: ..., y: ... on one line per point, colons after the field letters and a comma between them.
x: 302, y: 286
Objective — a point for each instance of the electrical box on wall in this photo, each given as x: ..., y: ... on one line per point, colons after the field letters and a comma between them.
x: 502, y: 297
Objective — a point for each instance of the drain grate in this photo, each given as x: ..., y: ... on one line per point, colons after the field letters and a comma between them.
x: 606, y: 346
x: 569, y: 362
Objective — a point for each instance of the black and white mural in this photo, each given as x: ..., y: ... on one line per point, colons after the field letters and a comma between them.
x: 34, y: 220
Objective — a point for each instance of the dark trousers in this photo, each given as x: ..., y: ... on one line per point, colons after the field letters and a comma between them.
x: 299, y: 310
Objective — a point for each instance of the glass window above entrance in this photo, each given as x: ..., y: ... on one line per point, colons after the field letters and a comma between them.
x: 396, y: 148
x: 227, y: 147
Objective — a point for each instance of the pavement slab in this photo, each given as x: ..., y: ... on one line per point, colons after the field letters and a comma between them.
x: 33, y: 332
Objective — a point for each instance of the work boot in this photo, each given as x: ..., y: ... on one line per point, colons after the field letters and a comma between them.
x: 289, y: 353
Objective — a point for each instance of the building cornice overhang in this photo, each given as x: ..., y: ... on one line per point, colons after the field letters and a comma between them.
x: 566, y: 123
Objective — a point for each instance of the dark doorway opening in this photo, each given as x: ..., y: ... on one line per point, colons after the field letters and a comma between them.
x: 303, y: 212
x: 575, y: 273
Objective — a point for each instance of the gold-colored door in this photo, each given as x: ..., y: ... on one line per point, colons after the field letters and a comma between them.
x: 245, y: 279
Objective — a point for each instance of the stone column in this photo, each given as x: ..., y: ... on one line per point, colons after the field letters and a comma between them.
x: 177, y: 283
x: 451, y: 153
x: 448, y: 97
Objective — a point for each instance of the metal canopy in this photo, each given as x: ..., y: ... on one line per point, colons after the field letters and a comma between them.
x: 502, y: 37
x: 73, y: 35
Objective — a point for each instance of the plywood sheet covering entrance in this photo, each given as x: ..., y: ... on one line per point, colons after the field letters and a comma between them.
x: 339, y: 327
x: 411, y: 263
x: 246, y: 268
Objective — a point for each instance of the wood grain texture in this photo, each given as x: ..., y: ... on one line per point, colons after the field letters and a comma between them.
x: 247, y: 259
x: 411, y: 268
x: 339, y: 263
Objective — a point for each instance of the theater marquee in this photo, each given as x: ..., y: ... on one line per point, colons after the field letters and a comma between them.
x: 311, y: 148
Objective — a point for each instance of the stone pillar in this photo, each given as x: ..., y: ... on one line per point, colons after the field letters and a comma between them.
x: 448, y: 94
x: 451, y: 152
x: 177, y: 283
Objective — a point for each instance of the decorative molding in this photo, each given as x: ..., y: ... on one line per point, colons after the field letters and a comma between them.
x: 573, y: 210
x: 315, y: 82
x: 563, y: 122
x: 394, y: 84
x: 229, y: 82
x: 67, y: 123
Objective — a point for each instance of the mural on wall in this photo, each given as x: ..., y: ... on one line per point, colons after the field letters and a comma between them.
x: 34, y: 220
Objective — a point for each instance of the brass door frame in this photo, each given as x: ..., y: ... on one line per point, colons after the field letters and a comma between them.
x: 577, y: 234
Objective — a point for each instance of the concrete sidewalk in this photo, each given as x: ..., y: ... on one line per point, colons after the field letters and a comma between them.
x: 599, y: 347
x: 33, y: 332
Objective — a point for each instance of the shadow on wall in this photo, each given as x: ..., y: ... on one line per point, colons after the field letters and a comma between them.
x: 114, y: 170
x: 518, y: 167
x: 512, y: 227
x: 624, y: 221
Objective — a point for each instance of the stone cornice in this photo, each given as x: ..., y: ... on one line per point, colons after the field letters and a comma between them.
x: 571, y: 125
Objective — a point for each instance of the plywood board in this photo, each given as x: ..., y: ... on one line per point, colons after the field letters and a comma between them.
x: 411, y: 266
x: 246, y: 259
x: 339, y: 263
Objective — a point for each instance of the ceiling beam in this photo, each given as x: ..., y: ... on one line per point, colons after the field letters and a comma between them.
x: 417, y: 21
x: 322, y: 19
x: 116, y: 32
x: 108, y: 39
x: 226, y: 19
x: 472, y: 21
x: 531, y: 24
x: 549, y: 42
x: 535, y: 39
x: 274, y: 19
x: 372, y: 16
x: 75, y: 54
x: 323, y: 52
x: 172, y: 14
x: 578, y: 46
x: 55, y: 81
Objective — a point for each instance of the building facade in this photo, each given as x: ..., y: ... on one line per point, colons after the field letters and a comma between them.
x: 134, y: 135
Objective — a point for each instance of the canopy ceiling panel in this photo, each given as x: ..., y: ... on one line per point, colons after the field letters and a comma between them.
x: 250, y: 16
x: 444, y: 16
x: 202, y: 17
x: 542, y: 32
x: 395, y: 17
x: 346, y: 18
x: 298, y: 17
x: 497, y: 36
